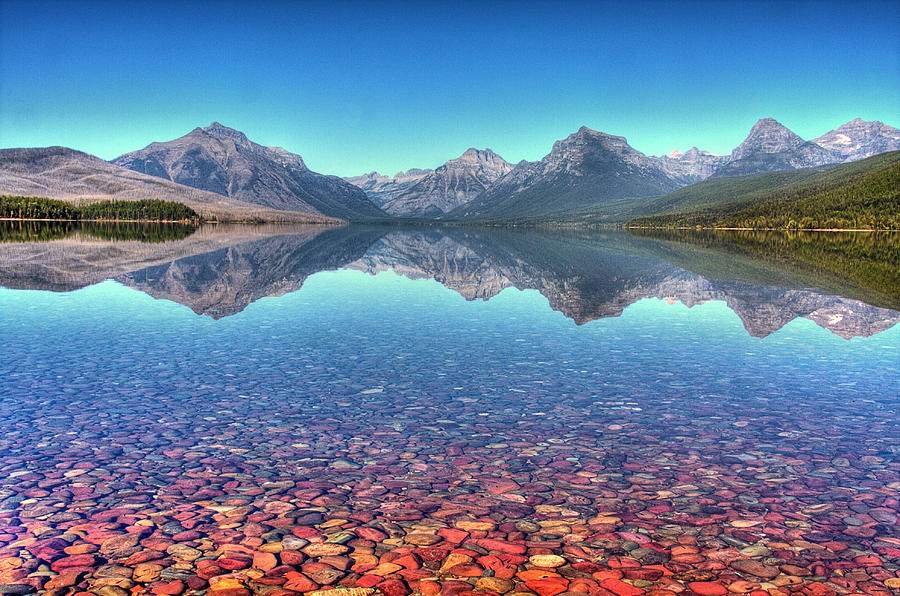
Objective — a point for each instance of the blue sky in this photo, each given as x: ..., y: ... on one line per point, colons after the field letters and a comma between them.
x: 360, y: 86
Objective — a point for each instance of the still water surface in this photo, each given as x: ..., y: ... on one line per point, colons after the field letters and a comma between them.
x: 423, y: 410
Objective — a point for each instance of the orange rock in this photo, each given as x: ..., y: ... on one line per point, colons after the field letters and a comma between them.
x: 264, y: 561
x: 495, y: 584
x: 530, y: 574
x: 466, y: 570
x: 549, y: 586
x: 621, y: 588
x: 708, y: 588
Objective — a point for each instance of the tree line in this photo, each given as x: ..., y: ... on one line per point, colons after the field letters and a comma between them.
x: 17, y: 207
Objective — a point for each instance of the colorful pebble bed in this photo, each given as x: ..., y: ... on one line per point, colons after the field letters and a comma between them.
x: 377, y: 435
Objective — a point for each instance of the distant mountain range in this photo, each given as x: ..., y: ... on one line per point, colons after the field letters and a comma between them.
x: 381, y: 189
x: 586, y: 167
x: 451, y: 185
x: 863, y: 194
x: 589, y: 175
x: 590, y: 171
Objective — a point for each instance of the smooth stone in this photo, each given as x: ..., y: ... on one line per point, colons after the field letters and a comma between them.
x: 754, y: 568
x: 322, y: 549
x: 708, y: 588
x: 17, y: 589
x: 184, y: 552
x: 547, y: 561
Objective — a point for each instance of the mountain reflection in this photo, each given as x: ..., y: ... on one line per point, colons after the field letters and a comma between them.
x: 219, y: 271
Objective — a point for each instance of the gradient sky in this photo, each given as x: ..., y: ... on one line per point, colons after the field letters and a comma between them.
x: 360, y: 86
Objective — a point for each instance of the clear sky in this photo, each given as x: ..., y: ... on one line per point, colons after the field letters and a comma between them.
x: 360, y: 86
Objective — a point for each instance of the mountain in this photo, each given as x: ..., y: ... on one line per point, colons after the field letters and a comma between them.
x: 62, y: 173
x: 692, y: 166
x: 859, y: 139
x: 859, y: 194
x: 381, y: 189
x: 224, y: 161
x: 585, y: 169
x: 453, y: 184
x: 770, y: 147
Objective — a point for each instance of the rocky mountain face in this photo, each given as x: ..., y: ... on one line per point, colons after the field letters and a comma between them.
x: 224, y: 161
x: 859, y: 139
x: 692, y: 166
x: 456, y: 182
x: 770, y: 147
x: 381, y: 189
x: 62, y: 173
x: 587, y: 281
x: 586, y: 168
x: 224, y: 282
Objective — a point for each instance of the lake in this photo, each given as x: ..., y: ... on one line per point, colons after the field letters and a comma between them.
x: 280, y: 410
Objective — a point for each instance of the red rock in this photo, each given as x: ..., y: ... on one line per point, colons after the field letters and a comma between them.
x: 586, y: 567
x: 817, y: 589
x: 299, y: 583
x: 393, y: 587
x: 372, y: 534
x: 502, y: 546
x: 466, y: 570
x: 619, y: 587
x: 756, y: 568
x: 369, y: 581
x: 453, y: 535
x: 292, y: 557
x: 64, y: 580
x: 80, y: 549
x: 409, y: 561
x: 708, y: 588
x: 549, y: 586
x: 233, y: 563
x: 172, y: 587
x: 196, y: 583
x: 868, y: 561
x: 73, y: 561
x: 264, y: 561
x: 304, y: 532
x: 530, y: 574
x: 338, y: 562
x: 620, y: 562
x: 642, y: 573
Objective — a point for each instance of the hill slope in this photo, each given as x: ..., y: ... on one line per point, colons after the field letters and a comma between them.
x: 62, y: 173
x: 862, y: 194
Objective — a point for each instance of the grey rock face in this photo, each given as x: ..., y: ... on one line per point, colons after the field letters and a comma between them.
x: 456, y: 182
x: 586, y: 168
x: 692, y: 166
x: 767, y: 136
x: 381, y: 189
x: 224, y: 161
x: 770, y: 147
x: 62, y: 173
x: 859, y: 139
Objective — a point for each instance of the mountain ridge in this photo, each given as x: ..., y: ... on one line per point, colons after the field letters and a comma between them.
x: 450, y: 185
x: 74, y: 176
x: 223, y: 160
